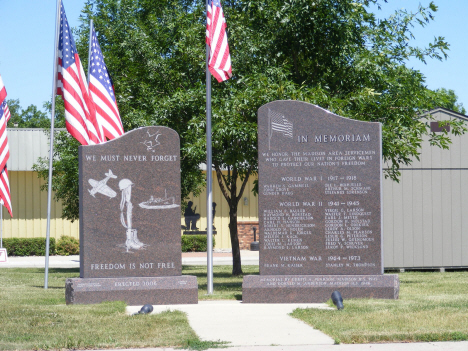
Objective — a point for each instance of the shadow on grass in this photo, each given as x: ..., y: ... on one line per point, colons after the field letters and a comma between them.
x: 204, y: 345
x: 64, y: 270
x: 200, y: 272
x: 223, y: 286
x: 42, y: 270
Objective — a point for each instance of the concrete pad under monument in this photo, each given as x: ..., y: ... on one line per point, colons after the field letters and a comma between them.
x: 320, y: 207
x: 130, y: 242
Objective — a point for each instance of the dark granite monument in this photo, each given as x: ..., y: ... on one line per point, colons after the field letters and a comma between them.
x: 320, y: 207
x: 130, y: 243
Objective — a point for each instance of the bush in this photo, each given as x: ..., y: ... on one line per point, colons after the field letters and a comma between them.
x: 68, y: 245
x: 28, y: 246
x: 194, y: 243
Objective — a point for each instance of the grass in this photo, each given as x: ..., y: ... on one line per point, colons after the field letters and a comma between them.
x: 433, y: 306
x: 225, y: 286
x: 34, y: 318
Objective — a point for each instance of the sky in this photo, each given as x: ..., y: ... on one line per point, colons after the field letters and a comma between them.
x: 28, y: 28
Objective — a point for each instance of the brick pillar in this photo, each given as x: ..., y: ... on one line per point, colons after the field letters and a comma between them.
x: 245, y: 233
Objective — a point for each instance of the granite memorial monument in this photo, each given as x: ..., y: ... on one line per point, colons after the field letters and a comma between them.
x: 320, y: 207
x: 130, y: 243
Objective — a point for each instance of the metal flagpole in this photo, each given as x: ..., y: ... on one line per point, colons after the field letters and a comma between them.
x: 209, y: 180
x: 51, y: 151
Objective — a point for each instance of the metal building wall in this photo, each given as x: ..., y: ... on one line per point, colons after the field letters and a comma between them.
x: 29, y: 203
x: 425, y: 221
x: 26, y: 146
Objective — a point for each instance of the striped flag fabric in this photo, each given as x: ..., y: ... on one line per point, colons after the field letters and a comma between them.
x: 219, y: 63
x: 3, y: 92
x: 5, y: 197
x: 80, y: 113
x: 102, y: 93
x: 6, y: 112
x: 4, y: 149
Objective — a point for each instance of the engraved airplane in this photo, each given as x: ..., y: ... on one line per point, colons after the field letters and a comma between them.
x: 101, y: 186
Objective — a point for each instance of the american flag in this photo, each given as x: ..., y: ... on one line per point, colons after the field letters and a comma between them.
x: 6, y: 112
x: 102, y: 93
x: 219, y: 63
x: 5, y: 198
x: 80, y: 113
x: 4, y: 106
x: 279, y: 123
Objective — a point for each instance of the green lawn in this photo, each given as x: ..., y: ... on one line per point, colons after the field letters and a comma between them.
x: 35, y: 318
x: 225, y: 286
x: 433, y: 306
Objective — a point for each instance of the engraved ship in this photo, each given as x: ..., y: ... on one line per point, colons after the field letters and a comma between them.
x: 159, y: 203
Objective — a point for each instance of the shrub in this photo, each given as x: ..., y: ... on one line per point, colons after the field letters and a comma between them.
x: 28, y: 246
x: 68, y: 245
x: 194, y: 243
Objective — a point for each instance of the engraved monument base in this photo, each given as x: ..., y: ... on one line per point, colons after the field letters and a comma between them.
x: 133, y: 290
x: 317, y: 288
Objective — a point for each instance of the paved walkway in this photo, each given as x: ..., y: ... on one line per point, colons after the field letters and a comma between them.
x: 426, y: 346
x: 248, y: 324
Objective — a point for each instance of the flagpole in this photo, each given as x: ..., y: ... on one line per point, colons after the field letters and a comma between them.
x: 89, y: 45
x: 51, y: 151
x: 209, y: 180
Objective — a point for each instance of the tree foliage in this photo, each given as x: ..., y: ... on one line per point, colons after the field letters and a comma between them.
x: 31, y: 117
x: 449, y: 100
x: 333, y: 53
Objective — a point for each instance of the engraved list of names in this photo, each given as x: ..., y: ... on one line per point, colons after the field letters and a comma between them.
x: 319, y: 192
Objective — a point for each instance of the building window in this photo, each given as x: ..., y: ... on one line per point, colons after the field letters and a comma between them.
x: 436, y: 129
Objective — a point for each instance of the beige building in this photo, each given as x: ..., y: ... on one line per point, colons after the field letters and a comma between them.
x: 29, y: 203
x: 424, y: 221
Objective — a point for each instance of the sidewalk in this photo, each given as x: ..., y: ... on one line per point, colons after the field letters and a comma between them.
x: 188, y: 258
x: 248, y: 324
x: 426, y: 346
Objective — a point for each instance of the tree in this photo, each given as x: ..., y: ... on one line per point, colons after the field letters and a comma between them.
x: 449, y: 100
x: 332, y: 53
x: 15, y: 112
x: 31, y: 117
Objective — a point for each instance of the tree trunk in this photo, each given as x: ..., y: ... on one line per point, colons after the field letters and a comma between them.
x: 236, y: 257
x: 229, y: 189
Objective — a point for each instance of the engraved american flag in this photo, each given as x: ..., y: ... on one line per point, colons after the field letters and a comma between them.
x: 279, y: 123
